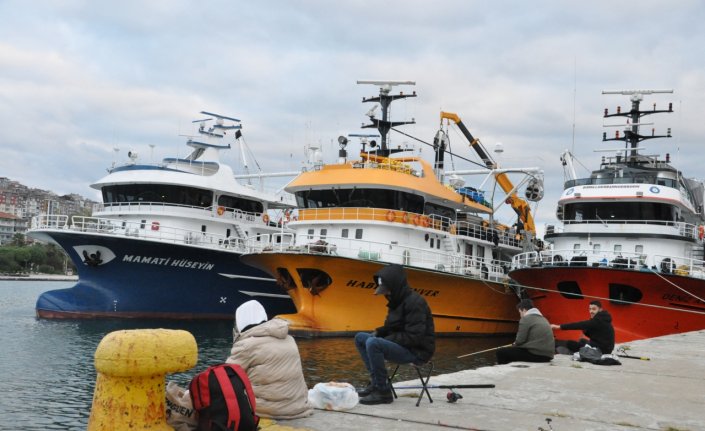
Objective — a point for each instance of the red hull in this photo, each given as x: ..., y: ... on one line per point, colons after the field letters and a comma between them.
x: 655, y: 305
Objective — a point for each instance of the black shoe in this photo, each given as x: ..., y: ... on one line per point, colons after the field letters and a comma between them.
x: 366, y: 390
x: 378, y: 396
x: 562, y: 350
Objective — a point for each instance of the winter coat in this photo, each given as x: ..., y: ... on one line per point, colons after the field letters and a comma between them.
x: 535, y: 334
x: 598, y: 329
x: 271, y: 360
x: 409, y: 322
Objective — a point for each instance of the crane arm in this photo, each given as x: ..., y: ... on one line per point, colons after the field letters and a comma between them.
x: 519, y: 205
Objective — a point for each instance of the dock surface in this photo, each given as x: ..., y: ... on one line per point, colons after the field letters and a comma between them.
x: 665, y: 393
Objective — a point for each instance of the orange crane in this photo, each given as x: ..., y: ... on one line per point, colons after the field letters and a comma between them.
x: 519, y: 205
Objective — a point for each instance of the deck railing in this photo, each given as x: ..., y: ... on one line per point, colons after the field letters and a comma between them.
x: 661, y: 263
x: 686, y: 230
x: 490, y: 269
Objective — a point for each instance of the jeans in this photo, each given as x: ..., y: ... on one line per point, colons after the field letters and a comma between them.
x: 374, y: 350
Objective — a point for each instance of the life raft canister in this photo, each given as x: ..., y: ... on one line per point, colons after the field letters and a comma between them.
x: 265, y: 218
x: 391, y: 216
x: 221, y: 210
x: 155, y: 225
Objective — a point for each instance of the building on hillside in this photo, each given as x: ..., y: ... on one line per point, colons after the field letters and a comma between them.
x: 10, y: 225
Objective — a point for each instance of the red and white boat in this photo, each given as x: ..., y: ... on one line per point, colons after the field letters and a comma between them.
x: 631, y: 236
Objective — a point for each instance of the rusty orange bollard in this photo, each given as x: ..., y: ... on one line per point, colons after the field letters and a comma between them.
x: 132, y: 366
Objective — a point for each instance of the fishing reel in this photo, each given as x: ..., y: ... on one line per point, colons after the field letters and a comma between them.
x: 453, y: 396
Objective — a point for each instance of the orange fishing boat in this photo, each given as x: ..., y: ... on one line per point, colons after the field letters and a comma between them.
x: 357, y: 216
x: 631, y: 236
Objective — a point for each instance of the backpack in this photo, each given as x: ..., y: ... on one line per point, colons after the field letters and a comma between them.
x: 223, y: 397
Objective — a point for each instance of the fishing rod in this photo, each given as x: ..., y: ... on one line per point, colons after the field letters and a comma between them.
x: 643, y: 358
x: 478, y: 386
x: 483, y: 351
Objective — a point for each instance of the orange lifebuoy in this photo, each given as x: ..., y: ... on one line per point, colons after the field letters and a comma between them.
x: 701, y: 232
x: 155, y: 225
x: 221, y: 210
x: 416, y: 220
x: 405, y: 218
x: 265, y: 218
x: 453, y: 230
x: 391, y: 216
x: 425, y: 221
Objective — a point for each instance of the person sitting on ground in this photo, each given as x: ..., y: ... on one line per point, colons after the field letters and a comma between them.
x: 407, y: 335
x: 534, y: 341
x: 598, y: 329
x: 271, y: 360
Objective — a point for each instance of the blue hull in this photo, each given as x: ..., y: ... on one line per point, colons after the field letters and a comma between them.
x: 126, y: 277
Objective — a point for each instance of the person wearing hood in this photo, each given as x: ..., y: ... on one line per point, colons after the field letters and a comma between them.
x: 270, y: 357
x: 534, y: 341
x: 407, y: 335
x: 598, y: 329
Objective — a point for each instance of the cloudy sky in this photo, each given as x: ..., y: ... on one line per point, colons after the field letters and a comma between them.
x: 80, y: 78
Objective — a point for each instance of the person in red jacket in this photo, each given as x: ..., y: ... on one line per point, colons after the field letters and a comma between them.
x: 598, y: 329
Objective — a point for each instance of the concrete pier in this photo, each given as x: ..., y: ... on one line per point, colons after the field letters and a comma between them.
x: 665, y: 393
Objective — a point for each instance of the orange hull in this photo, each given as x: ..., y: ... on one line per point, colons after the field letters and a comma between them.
x: 642, y: 304
x: 460, y: 305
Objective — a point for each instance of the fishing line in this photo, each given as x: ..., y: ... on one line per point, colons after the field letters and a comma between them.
x: 612, y: 300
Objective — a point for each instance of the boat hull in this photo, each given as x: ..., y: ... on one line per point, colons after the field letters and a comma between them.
x: 642, y: 304
x: 461, y: 306
x: 123, y: 277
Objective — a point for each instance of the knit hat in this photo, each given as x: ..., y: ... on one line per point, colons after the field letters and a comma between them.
x: 248, y: 314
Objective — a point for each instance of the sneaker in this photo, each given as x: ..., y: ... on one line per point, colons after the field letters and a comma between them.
x: 378, y: 396
x: 365, y: 391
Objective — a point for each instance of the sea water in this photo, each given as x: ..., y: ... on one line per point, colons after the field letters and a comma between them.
x: 47, y: 374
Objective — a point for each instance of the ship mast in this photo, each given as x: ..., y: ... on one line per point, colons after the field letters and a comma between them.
x: 385, y: 100
x: 631, y: 135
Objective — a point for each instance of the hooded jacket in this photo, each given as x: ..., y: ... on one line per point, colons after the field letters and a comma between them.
x: 598, y: 329
x: 409, y: 322
x: 535, y: 334
x: 271, y: 360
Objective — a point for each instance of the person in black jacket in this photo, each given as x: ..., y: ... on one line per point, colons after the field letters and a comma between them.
x: 407, y: 335
x: 598, y: 329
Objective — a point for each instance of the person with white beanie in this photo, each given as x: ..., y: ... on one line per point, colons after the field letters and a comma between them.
x: 270, y: 357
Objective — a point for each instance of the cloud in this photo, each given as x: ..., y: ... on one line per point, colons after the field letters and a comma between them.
x: 79, y: 78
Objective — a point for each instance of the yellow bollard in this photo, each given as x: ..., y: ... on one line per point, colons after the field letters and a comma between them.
x: 132, y: 365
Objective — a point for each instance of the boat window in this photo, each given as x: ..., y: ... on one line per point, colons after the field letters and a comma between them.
x: 203, y: 228
x: 310, y: 234
x: 622, y: 211
x: 324, y: 232
x: 569, y: 290
x: 344, y: 233
x: 620, y: 293
x: 160, y: 193
x: 432, y: 242
x: 360, y: 197
x: 232, y: 203
x: 638, y: 249
x: 358, y: 233
x: 438, y: 243
x: 227, y: 233
x: 576, y: 247
x: 480, y: 256
x: 143, y: 223
x: 617, y: 248
x: 596, y: 248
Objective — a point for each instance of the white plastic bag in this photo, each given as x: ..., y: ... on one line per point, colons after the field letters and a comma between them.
x: 333, y: 396
x: 180, y: 413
